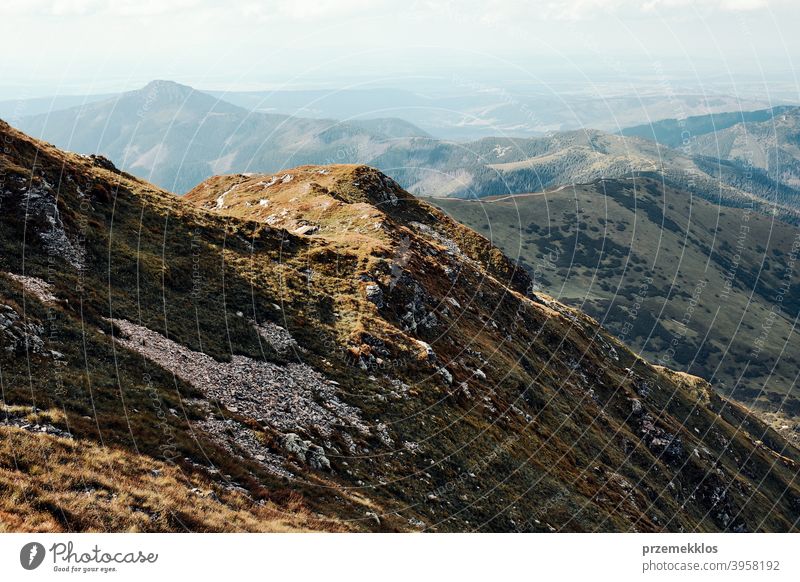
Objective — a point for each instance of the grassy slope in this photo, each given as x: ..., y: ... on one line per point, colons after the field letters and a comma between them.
x: 52, y: 484
x: 595, y: 247
x: 535, y: 359
x: 144, y: 252
x: 547, y: 423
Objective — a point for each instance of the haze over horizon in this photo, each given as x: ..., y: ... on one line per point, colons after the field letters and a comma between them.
x: 740, y: 46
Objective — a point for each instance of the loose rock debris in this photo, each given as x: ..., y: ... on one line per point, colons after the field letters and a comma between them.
x: 294, y: 397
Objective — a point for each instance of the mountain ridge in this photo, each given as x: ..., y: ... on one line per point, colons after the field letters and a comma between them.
x: 361, y: 363
x: 679, y: 132
x: 177, y: 136
x: 178, y: 145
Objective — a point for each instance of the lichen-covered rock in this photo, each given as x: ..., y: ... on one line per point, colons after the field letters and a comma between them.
x: 417, y: 315
x: 306, y: 452
x: 661, y: 442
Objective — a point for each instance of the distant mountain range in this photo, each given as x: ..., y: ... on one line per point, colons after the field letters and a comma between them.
x: 753, y: 151
x: 464, y: 109
x: 176, y: 137
x: 456, y: 108
x: 769, y: 147
x: 493, y: 166
x: 676, y: 133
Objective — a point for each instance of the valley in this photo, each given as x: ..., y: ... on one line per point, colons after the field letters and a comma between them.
x: 705, y: 289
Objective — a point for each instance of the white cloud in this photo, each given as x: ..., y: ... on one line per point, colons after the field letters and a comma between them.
x: 331, y: 9
x: 521, y: 12
x: 63, y: 8
x: 711, y: 5
x: 584, y: 9
x: 310, y: 10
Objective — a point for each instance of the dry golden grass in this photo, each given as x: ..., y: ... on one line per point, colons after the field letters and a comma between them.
x: 694, y: 385
x: 50, y: 484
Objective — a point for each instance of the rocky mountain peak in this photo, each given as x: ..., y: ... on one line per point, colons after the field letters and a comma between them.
x: 353, y: 205
x: 165, y: 90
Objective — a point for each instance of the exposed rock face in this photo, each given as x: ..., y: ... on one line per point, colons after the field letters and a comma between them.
x: 306, y: 229
x: 660, y: 441
x: 375, y: 295
x: 276, y: 336
x: 418, y: 314
x: 40, y: 206
x: 19, y: 336
x: 239, y: 440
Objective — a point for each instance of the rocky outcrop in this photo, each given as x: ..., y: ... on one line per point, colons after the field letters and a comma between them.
x: 18, y: 336
x: 419, y: 314
x: 375, y: 295
x: 306, y: 451
x: 242, y: 441
x: 40, y: 207
x: 30, y: 420
x: 277, y: 337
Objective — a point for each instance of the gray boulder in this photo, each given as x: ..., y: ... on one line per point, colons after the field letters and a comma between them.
x: 306, y: 452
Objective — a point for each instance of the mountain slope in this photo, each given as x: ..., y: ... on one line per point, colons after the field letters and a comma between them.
x: 495, y: 167
x: 771, y: 146
x: 678, y: 132
x: 711, y: 291
x: 756, y: 151
x: 323, y: 344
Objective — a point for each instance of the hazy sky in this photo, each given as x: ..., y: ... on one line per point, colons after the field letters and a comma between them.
x: 74, y: 46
